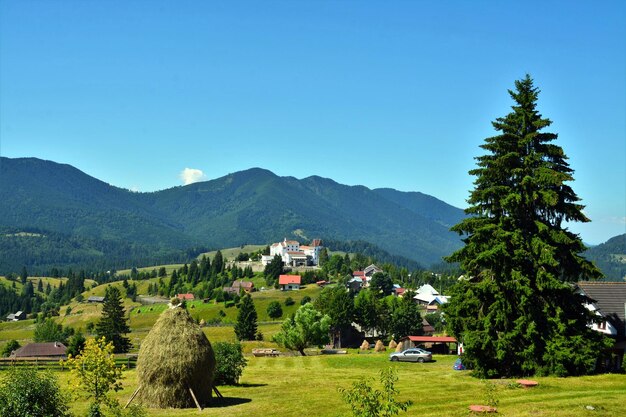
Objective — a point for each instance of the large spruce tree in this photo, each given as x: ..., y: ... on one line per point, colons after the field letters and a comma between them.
x: 517, y: 311
x: 113, y: 324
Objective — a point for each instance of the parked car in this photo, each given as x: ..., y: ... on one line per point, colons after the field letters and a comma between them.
x: 411, y: 355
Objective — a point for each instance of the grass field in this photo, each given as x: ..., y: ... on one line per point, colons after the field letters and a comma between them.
x: 296, y: 386
x: 143, y: 317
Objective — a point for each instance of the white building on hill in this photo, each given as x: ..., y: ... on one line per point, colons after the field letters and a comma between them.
x: 293, y: 254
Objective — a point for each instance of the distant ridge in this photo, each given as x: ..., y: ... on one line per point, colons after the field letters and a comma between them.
x: 610, y: 257
x: 251, y: 206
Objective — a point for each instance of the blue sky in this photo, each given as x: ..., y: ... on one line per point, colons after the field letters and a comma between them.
x: 384, y: 94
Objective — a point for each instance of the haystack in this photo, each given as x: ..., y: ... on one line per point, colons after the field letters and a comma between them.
x: 380, y: 346
x: 404, y: 345
x: 393, y: 345
x: 175, y: 358
x: 365, y: 345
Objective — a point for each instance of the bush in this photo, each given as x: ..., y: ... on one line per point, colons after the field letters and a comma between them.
x: 305, y: 299
x: 366, y: 401
x: 230, y: 362
x: 10, y: 347
x: 289, y: 301
x: 26, y: 392
x: 76, y: 344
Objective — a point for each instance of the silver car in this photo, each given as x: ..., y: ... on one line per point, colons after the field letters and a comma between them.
x: 412, y: 355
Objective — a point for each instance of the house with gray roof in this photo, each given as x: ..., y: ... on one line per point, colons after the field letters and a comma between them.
x: 608, y: 300
x: 50, y: 350
x: 20, y: 315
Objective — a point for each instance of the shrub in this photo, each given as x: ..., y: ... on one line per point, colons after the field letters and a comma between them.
x: 76, y: 344
x: 305, y: 299
x: 10, y: 347
x: 289, y: 301
x: 229, y: 362
x: 365, y: 401
x: 26, y: 392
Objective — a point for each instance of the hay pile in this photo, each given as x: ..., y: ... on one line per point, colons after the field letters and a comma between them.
x: 175, y: 356
x: 404, y: 345
x: 380, y: 346
x: 365, y: 345
x: 393, y: 345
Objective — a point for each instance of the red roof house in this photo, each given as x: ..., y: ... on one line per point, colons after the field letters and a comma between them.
x: 289, y: 282
x: 187, y: 296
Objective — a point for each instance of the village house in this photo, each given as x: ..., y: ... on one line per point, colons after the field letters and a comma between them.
x: 289, y: 282
x: 238, y: 286
x: 50, y: 350
x: 428, y: 296
x: 607, y: 300
x: 20, y: 315
x: 95, y: 299
x: 185, y: 297
x: 294, y: 254
x: 361, y: 279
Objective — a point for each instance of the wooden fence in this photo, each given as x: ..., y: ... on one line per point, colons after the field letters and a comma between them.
x: 129, y: 362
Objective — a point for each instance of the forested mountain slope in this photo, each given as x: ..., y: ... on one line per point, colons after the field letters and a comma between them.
x: 252, y: 206
x: 610, y: 257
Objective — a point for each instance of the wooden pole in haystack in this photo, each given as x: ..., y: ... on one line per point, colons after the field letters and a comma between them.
x: 195, y: 400
x: 132, y: 397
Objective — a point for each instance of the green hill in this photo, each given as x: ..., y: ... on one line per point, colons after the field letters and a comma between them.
x: 610, y: 257
x: 94, y: 223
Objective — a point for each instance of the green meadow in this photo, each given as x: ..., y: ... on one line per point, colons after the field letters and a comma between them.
x: 293, y: 386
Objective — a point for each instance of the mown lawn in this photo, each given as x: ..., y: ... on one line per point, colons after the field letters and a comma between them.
x: 296, y: 386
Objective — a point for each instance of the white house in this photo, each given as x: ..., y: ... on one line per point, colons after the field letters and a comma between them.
x: 429, y: 296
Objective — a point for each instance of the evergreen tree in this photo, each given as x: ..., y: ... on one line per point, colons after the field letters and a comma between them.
x: 24, y: 275
x: 40, y: 286
x: 273, y: 270
x: 113, y: 323
x: 517, y: 312
x: 246, y: 325
x: 217, y: 265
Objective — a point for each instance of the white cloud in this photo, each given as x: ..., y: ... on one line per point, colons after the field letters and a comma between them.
x: 191, y: 175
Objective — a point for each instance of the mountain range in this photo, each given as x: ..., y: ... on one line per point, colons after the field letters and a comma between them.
x: 53, y: 214
x: 44, y: 201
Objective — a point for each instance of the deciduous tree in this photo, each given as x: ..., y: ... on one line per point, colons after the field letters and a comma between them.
x: 517, y: 312
x: 95, y: 374
x: 27, y: 392
x: 274, y: 310
x: 308, y: 327
x: 406, y: 319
